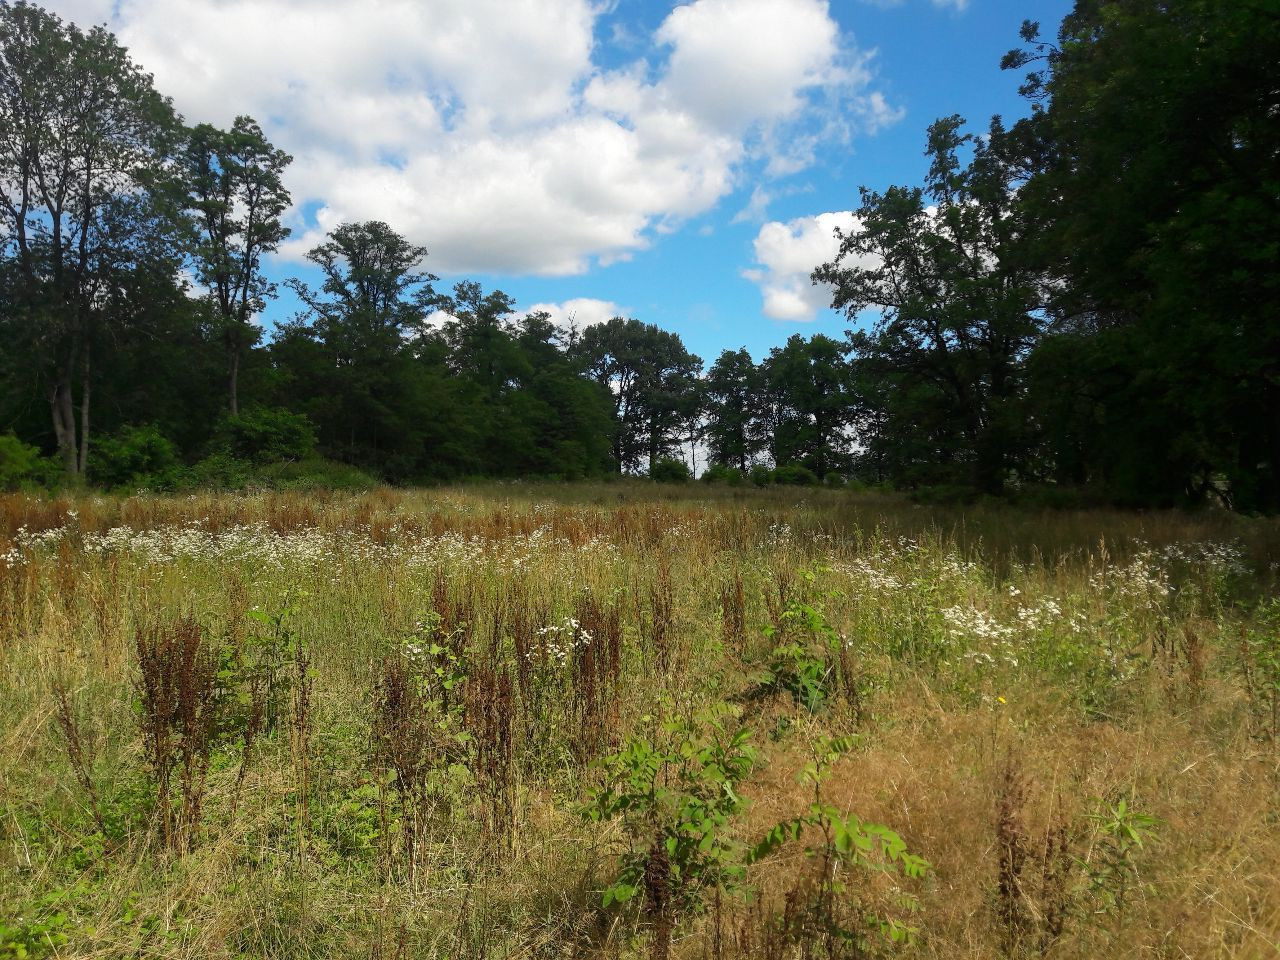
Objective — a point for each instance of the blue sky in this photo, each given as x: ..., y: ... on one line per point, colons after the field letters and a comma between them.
x: 680, y: 163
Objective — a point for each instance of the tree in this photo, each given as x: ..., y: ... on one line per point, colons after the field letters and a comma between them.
x: 807, y: 384
x: 85, y: 202
x: 653, y: 381
x: 237, y: 197
x: 354, y: 370
x: 373, y: 294
x: 735, y: 409
x: 959, y: 304
x: 1155, y: 143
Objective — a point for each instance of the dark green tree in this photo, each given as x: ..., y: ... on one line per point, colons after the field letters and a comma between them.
x: 735, y: 403
x: 653, y: 380
x: 811, y: 406
x: 1155, y: 140
x: 959, y: 305
x: 86, y: 211
x: 356, y: 370
x: 236, y: 196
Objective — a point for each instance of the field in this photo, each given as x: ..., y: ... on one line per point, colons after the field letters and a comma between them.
x: 631, y: 721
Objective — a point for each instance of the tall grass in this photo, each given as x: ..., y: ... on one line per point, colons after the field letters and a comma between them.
x: 300, y: 725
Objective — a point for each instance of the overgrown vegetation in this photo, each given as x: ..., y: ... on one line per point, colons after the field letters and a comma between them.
x: 633, y: 720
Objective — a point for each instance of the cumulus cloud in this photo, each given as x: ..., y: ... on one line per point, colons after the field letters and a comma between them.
x: 580, y: 311
x: 486, y: 130
x: 787, y: 253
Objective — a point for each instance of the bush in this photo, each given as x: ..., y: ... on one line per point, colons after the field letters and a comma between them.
x: 670, y: 470
x: 315, y: 474
x: 945, y: 494
x: 22, y: 465
x: 833, y: 479
x: 794, y: 475
x: 134, y: 457
x: 1052, y: 496
x: 217, y: 472
x: 267, y: 435
x: 760, y: 475
x: 719, y: 473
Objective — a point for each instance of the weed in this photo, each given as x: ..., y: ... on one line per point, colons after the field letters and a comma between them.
x: 823, y: 910
x: 180, y: 707
x: 676, y: 797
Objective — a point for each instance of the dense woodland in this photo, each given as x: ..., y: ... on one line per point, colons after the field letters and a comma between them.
x: 1078, y: 303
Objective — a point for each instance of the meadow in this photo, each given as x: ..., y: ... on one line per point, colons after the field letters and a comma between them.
x: 627, y: 720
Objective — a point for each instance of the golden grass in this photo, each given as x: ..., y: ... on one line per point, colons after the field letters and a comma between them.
x: 1117, y: 688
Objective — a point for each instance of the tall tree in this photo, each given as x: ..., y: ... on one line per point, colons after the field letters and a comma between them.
x: 653, y: 381
x: 958, y: 302
x: 736, y: 430
x: 354, y: 367
x: 85, y: 149
x: 1156, y: 139
x: 807, y: 383
x: 237, y: 197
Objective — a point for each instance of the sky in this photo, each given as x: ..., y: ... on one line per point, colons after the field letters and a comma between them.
x: 684, y: 164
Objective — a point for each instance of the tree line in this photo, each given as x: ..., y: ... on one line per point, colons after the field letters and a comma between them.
x: 1081, y: 302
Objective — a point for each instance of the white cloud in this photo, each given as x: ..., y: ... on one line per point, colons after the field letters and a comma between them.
x: 735, y: 62
x: 876, y: 112
x: 583, y: 311
x: 484, y: 129
x: 787, y: 253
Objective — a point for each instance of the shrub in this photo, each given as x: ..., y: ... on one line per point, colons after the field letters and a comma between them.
x: 792, y: 474
x: 826, y: 911
x: 21, y: 464
x: 760, y: 475
x: 134, y: 457
x: 945, y: 494
x: 720, y: 473
x: 315, y: 474
x: 219, y: 471
x: 676, y: 795
x: 267, y: 435
x: 670, y: 470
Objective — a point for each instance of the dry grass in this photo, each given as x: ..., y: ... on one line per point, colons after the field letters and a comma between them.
x: 486, y: 645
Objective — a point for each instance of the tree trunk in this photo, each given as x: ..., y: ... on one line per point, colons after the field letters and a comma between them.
x: 84, y: 413
x: 64, y: 424
x: 233, y: 380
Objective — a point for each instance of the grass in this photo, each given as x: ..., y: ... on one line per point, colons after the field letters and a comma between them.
x: 445, y: 723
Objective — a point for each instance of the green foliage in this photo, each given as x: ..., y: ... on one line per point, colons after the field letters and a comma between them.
x: 795, y: 475
x: 719, y: 473
x: 670, y: 470
x: 267, y: 435
x: 1122, y: 833
x: 22, y: 465
x: 1260, y: 656
x: 676, y: 795
x: 805, y: 661
x: 217, y: 471
x: 135, y: 457
x: 28, y: 938
x: 1151, y: 121
x: 829, y: 913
